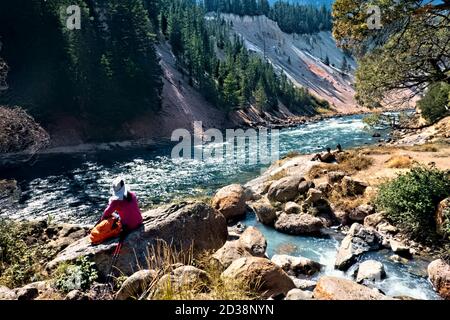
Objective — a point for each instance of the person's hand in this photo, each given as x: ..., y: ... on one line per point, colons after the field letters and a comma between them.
x: 115, y: 223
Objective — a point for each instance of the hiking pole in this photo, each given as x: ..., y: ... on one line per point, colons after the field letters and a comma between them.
x: 114, y: 259
x: 110, y: 270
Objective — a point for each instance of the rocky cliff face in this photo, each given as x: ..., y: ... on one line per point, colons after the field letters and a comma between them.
x: 302, y: 58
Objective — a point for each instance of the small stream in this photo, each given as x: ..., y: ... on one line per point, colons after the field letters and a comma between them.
x: 402, y: 279
x: 75, y: 188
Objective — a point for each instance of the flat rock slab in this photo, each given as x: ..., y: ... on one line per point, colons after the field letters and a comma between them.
x: 183, y: 225
x: 333, y: 288
x: 298, y: 224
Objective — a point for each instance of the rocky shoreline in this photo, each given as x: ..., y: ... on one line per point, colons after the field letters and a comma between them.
x: 20, y: 158
x: 291, y: 204
x: 294, y: 196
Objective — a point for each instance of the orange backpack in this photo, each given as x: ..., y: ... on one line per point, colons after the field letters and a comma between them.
x: 107, y: 229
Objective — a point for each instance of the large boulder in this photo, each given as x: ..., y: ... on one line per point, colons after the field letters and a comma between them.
x: 285, y: 189
x: 332, y: 288
x: 313, y: 196
x: 370, y: 270
x: 385, y: 227
x: 231, y: 251
x: 361, y: 212
x: 297, y: 294
x: 253, y: 241
x: 439, y: 274
x: 26, y: 293
x: 298, y: 224
x: 351, y: 187
x: 400, y: 248
x: 304, y: 186
x: 296, y: 266
x: 292, y: 208
x: 183, y: 225
x: 265, y: 212
x: 443, y: 217
x: 136, y: 284
x: 358, y: 241
x: 260, y: 274
x: 230, y: 201
x: 77, y: 295
x: 342, y: 217
x: 183, y: 279
x: 250, y: 243
x: 304, y: 284
x: 373, y: 220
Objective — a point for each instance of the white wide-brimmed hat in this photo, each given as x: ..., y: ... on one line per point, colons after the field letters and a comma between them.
x: 119, y: 189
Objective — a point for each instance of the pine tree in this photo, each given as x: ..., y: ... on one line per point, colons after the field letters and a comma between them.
x: 234, y: 80
x: 261, y: 99
x: 231, y: 90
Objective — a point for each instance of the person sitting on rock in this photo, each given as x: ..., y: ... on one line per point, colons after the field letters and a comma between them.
x: 125, y: 203
x: 339, y: 149
x: 328, y: 157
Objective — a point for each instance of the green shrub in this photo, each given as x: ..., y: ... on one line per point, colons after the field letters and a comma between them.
x: 21, y: 254
x: 78, y: 276
x: 446, y: 225
x: 436, y: 102
x: 411, y: 199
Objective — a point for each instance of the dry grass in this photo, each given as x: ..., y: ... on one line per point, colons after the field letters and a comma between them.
x: 375, y: 150
x: 433, y: 147
x: 400, y: 162
x: 224, y: 288
x: 346, y: 203
x: 279, y: 175
x: 429, y: 147
x: 165, y: 258
x: 349, y: 162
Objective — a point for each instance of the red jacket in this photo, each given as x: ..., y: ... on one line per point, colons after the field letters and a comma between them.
x: 129, y: 212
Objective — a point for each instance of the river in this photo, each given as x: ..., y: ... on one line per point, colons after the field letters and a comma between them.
x: 75, y: 188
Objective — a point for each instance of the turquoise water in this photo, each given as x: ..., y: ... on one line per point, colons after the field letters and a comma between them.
x: 75, y: 188
x: 402, y: 279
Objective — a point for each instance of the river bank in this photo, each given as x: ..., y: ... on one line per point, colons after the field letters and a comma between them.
x: 268, y: 122
x: 318, y: 243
